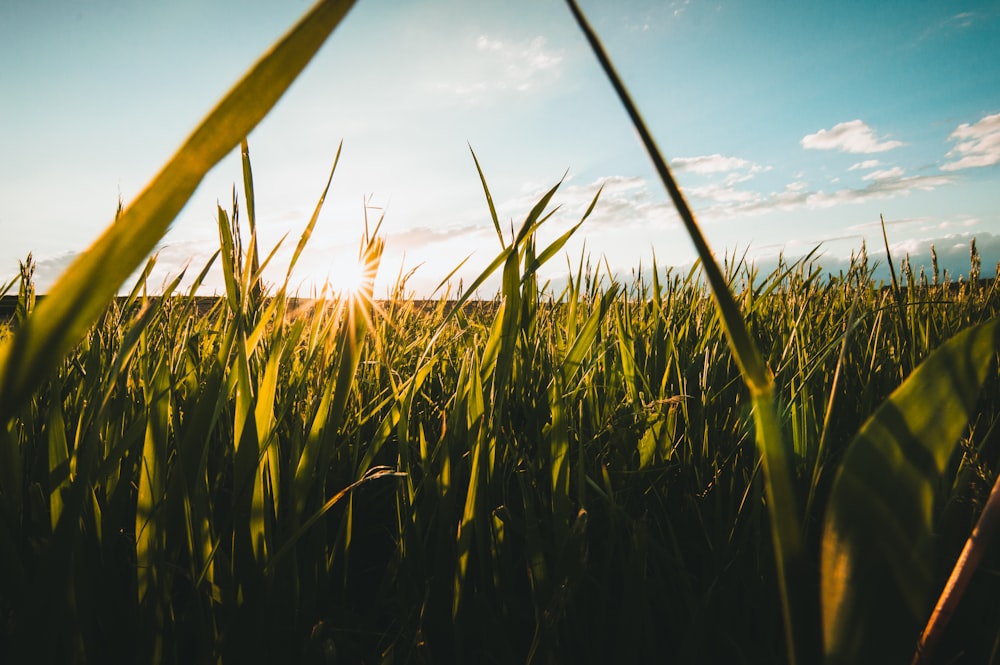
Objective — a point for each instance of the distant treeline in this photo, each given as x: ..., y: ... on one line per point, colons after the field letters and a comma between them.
x: 8, y: 303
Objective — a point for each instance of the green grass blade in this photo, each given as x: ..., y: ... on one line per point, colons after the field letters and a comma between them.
x: 149, y: 531
x: 477, y: 441
x: 373, y: 474
x: 229, y: 260
x: 59, y: 463
x: 84, y: 289
x: 534, y: 218
x: 250, y: 200
x: 877, y: 550
x: 585, y: 339
x: 266, y: 489
x: 556, y: 245
x: 307, y: 232
x: 782, y: 503
x: 489, y: 199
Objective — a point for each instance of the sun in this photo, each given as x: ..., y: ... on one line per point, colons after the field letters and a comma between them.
x: 347, y: 277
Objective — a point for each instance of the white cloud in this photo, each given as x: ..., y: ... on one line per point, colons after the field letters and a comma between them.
x: 953, y: 253
x: 48, y: 269
x: 735, y: 170
x: 884, y: 174
x: 625, y: 201
x: 626, y: 204
x: 978, y: 144
x: 867, y: 164
x: 728, y: 203
x: 884, y: 187
x: 853, y: 136
x: 705, y: 164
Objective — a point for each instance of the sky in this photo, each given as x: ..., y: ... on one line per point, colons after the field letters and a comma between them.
x: 790, y: 126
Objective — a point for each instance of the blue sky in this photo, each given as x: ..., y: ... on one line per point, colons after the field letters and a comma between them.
x: 788, y: 124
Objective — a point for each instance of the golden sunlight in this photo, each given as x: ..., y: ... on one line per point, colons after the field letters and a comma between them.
x: 347, y: 276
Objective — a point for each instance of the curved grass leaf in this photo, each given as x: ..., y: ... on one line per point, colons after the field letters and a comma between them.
x: 83, y: 291
x: 781, y: 498
x: 877, y: 557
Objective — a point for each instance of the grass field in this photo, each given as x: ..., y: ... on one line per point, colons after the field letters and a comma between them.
x: 569, y: 477
x: 703, y: 466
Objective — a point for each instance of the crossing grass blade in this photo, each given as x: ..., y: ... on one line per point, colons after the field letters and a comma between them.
x: 84, y: 289
x: 775, y: 455
x: 877, y: 549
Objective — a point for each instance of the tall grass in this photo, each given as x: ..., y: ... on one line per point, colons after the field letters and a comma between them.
x: 569, y: 475
x: 624, y: 471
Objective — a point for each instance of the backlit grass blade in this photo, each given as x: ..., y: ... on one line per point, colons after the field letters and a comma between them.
x: 585, y: 339
x: 752, y: 366
x: 251, y: 204
x: 59, y: 463
x: 266, y: 487
x: 475, y: 409
x: 781, y: 499
x: 373, y: 474
x: 84, y: 289
x: 489, y: 199
x: 230, y: 260
x: 149, y: 531
x: 556, y: 245
x: 877, y: 556
x: 307, y: 232
x: 557, y: 436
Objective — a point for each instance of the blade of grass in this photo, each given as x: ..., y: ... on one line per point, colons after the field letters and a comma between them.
x: 307, y: 232
x: 84, y: 289
x: 489, y: 199
x: 877, y: 548
x: 781, y: 499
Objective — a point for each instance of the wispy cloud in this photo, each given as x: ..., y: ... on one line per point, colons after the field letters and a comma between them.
x: 625, y: 202
x: 724, y: 195
x: 656, y: 16
x: 716, y: 163
x: 734, y: 171
x: 963, y: 19
x: 867, y: 164
x: 853, y: 136
x: 978, y: 144
x: 523, y: 61
x: 503, y: 65
x: 49, y: 268
x: 719, y: 203
x: 890, y: 184
x: 895, y: 173
x: 420, y: 237
x: 951, y: 24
